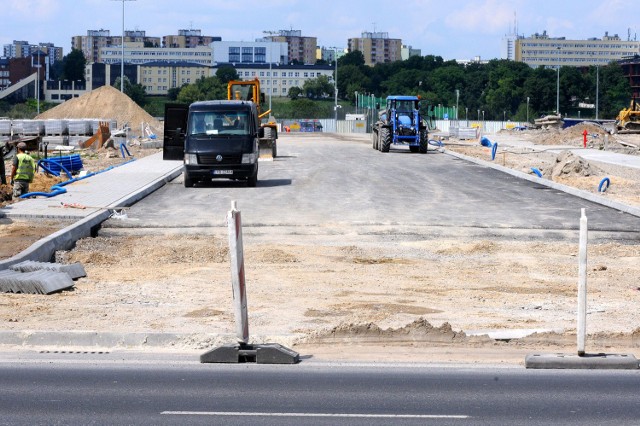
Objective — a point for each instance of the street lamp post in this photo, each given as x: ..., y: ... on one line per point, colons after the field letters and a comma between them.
x: 457, y: 102
x: 527, y: 109
x: 558, y: 85
x: 466, y: 115
x: 122, y: 63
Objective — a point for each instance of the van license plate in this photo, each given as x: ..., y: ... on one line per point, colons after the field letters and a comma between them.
x: 223, y: 172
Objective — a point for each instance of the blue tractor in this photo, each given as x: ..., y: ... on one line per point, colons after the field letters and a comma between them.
x: 400, y: 124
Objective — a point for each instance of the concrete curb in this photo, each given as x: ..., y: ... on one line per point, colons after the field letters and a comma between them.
x: 586, y: 362
x: 598, y: 199
x: 65, y: 239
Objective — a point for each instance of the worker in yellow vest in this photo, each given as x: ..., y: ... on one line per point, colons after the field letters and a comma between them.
x: 22, y: 171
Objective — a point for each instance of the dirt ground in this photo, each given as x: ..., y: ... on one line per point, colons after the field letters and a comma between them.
x: 426, y: 294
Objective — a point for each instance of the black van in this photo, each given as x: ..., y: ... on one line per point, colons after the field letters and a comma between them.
x: 215, y: 139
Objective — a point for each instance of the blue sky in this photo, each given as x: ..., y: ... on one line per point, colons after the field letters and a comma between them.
x: 453, y: 30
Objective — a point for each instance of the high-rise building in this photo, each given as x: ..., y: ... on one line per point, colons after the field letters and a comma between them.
x: 540, y: 50
x: 301, y: 49
x: 631, y: 70
x: 377, y: 47
x: 188, y: 39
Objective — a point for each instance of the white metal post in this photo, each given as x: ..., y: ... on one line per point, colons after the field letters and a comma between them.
x: 582, y: 285
x: 236, y: 256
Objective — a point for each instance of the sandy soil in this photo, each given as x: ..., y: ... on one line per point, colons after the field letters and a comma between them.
x: 370, y: 293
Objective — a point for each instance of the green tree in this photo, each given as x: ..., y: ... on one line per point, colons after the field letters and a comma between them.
x: 73, y: 65
x: 294, y: 92
x: 226, y: 73
x: 318, y: 87
x: 136, y: 92
x: 205, y: 88
x: 352, y: 58
x: 615, y: 91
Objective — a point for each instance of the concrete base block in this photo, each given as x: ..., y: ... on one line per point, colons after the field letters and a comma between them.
x: 268, y: 353
x: 586, y: 362
x: 74, y: 270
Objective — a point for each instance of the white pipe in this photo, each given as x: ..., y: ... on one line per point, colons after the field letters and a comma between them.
x: 582, y: 285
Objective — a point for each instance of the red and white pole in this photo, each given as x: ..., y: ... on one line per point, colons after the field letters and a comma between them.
x: 236, y: 255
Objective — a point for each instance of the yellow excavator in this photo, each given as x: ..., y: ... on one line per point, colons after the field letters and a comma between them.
x: 249, y: 90
x: 628, y: 120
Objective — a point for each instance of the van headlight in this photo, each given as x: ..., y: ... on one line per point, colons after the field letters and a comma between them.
x: 248, y: 158
x: 190, y: 158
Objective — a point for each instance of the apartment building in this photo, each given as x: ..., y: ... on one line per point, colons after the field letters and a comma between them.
x: 160, y: 76
x: 377, y: 47
x: 188, y: 39
x: 278, y: 79
x: 95, y: 40
x: 541, y: 50
x: 300, y: 49
x: 23, y: 49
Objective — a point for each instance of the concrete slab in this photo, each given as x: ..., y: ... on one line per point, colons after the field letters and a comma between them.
x: 586, y: 362
x: 504, y: 334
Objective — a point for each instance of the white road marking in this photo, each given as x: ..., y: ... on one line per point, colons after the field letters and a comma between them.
x: 364, y: 416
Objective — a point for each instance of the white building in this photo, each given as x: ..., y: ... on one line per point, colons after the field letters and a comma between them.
x: 540, y: 50
x: 136, y: 53
x: 246, y: 52
x: 278, y: 79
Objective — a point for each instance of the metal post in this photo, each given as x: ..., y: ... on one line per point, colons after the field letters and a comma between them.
x: 527, y: 109
x: 270, y: 78
x: 336, y: 90
x: 236, y: 255
x: 582, y: 285
x: 122, y: 59
x: 466, y: 115
x: 356, y: 101
x: 558, y: 85
x: 457, y: 102
x: 38, y: 81
x: 597, y: 88
x: 122, y: 62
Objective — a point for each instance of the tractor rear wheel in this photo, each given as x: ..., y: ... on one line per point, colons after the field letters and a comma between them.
x: 374, y: 138
x: 384, y: 141
x: 424, y: 141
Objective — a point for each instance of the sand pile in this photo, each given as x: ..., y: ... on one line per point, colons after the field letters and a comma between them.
x: 571, y: 135
x: 106, y: 103
x: 568, y: 165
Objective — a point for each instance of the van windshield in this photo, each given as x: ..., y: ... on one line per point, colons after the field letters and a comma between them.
x: 219, y: 123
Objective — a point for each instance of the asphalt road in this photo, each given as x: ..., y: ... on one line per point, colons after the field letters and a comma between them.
x: 100, y: 389
x: 324, y: 180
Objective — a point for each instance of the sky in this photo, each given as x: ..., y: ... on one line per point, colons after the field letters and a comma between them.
x: 456, y: 30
